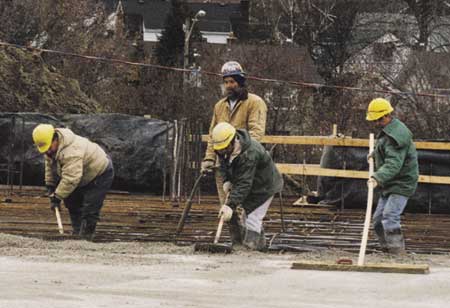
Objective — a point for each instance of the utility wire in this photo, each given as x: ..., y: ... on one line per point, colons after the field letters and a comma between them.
x: 176, y: 69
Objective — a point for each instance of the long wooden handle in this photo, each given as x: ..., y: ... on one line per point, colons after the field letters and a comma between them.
x: 58, y: 219
x: 219, y: 230
x: 187, y: 207
x: 362, y: 250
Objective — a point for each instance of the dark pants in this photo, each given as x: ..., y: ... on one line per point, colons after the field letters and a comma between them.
x: 85, y: 203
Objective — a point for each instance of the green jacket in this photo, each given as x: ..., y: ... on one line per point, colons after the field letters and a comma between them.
x: 252, y: 173
x: 396, y: 165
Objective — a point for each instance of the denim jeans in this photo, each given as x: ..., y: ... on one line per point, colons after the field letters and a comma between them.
x: 389, y: 210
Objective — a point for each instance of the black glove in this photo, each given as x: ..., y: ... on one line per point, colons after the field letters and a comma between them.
x: 50, y: 189
x: 55, y: 202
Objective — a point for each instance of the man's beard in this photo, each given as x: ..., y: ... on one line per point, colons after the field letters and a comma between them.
x: 235, y: 94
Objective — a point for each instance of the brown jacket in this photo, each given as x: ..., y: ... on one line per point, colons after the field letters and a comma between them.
x: 249, y: 114
x: 77, y: 162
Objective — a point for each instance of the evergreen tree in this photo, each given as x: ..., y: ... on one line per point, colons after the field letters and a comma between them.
x: 169, y: 50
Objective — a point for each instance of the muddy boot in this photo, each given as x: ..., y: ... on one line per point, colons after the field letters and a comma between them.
x: 255, y: 240
x: 395, y: 241
x: 87, y: 230
x: 235, y: 232
x: 379, y: 231
x: 75, y: 220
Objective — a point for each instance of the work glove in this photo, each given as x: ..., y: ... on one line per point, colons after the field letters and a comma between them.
x: 50, y: 189
x: 369, y: 156
x: 225, y: 212
x: 55, y: 202
x: 373, y: 182
x: 207, y: 166
x: 227, y: 187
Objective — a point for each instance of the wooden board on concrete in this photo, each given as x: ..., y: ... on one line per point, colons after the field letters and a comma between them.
x: 382, y: 268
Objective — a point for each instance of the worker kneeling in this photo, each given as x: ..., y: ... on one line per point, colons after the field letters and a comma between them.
x: 77, y: 171
x: 251, y: 179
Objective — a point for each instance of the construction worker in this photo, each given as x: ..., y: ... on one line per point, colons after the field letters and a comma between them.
x: 251, y: 180
x: 396, y: 173
x: 241, y: 109
x: 77, y: 171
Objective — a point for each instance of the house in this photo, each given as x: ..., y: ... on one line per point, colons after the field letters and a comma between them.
x: 223, y: 17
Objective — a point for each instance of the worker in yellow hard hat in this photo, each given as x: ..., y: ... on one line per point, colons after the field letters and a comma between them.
x: 253, y: 181
x: 77, y: 171
x: 240, y: 108
x: 396, y: 173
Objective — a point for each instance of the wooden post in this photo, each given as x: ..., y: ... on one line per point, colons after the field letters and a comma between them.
x: 362, y: 250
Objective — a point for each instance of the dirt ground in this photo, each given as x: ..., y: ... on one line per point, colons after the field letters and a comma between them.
x: 36, y: 273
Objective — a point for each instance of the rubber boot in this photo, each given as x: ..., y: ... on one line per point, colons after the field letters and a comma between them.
x: 235, y: 232
x: 255, y: 240
x: 395, y: 241
x: 75, y: 220
x: 237, y: 226
x: 379, y: 231
x: 87, y: 230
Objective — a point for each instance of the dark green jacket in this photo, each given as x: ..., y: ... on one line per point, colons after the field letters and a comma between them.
x: 396, y: 165
x: 252, y: 173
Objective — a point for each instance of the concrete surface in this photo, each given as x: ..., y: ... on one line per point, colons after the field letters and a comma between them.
x: 79, y: 274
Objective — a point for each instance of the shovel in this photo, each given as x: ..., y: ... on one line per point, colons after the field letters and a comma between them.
x: 58, y: 219
x: 215, y: 247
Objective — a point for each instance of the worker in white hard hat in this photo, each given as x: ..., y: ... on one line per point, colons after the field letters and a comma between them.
x: 254, y: 180
x: 241, y: 109
x: 396, y: 173
x: 77, y: 171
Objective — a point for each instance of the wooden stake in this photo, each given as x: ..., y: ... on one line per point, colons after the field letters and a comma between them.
x: 362, y: 250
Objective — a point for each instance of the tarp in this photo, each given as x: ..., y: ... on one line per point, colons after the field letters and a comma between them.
x: 137, y: 146
x: 352, y: 193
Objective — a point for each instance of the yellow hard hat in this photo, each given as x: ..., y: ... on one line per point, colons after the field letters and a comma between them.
x: 379, y: 107
x: 222, y: 135
x: 43, y: 136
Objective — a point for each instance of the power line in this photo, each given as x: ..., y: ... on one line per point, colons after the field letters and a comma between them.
x: 256, y: 78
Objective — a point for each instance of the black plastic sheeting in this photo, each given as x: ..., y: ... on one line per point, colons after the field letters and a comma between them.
x: 352, y: 193
x: 137, y: 146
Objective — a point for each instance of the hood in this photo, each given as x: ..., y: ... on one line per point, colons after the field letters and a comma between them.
x: 66, y: 137
x: 244, y: 139
x: 399, y: 132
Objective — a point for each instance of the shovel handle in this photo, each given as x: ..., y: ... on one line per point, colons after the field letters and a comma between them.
x: 58, y: 219
x: 219, y: 230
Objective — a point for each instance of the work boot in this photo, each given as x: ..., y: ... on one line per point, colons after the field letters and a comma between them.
x: 255, y: 240
x: 76, y: 224
x: 237, y: 226
x: 87, y: 230
x: 395, y: 241
x: 379, y: 231
x: 235, y: 233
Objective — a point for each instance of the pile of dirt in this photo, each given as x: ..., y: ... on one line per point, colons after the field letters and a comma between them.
x: 28, y: 84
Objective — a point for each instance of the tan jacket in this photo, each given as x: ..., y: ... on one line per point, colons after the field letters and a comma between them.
x: 249, y: 114
x: 77, y: 162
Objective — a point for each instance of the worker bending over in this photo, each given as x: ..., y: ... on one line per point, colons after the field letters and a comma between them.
x: 251, y: 179
x: 77, y: 171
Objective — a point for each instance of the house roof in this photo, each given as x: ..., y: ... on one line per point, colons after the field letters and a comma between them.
x: 266, y: 61
x: 219, y: 14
